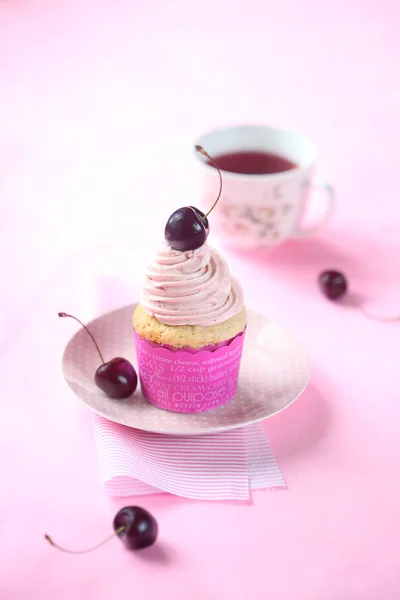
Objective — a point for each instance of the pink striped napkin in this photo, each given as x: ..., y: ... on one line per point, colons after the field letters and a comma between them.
x: 219, y: 466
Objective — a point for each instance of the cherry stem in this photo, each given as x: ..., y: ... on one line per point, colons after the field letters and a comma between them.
x: 204, y: 153
x: 378, y: 318
x: 374, y: 317
x: 63, y: 314
x: 110, y: 537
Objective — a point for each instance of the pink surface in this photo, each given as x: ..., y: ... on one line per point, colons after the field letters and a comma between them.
x: 99, y: 102
x: 185, y: 381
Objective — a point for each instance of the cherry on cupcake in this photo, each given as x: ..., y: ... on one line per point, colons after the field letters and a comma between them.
x: 187, y: 228
x: 134, y: 525
x: 116, y: 377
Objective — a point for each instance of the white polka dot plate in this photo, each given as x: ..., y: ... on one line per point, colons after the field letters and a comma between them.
x: 274, y: 372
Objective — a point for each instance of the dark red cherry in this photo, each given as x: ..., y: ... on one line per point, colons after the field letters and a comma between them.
x: 333, y: 284
x: 117, y: 378
x: 188, y: 227
x: 184, y: 230
x: 137, y: 527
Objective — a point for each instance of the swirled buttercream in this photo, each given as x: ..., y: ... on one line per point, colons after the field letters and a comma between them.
x: 191, y: 288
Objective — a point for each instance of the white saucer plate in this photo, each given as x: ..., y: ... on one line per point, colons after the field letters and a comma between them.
x: 274, y: 372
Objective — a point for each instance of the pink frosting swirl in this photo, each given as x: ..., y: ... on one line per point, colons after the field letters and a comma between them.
x: 191, y: 288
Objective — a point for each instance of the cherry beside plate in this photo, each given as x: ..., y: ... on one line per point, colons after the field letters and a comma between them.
x: 274, y: 372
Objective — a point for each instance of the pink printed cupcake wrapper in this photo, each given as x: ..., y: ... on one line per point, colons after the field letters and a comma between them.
x: 187, y: 380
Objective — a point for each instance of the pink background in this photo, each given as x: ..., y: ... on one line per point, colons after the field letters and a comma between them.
x: 99, y: 104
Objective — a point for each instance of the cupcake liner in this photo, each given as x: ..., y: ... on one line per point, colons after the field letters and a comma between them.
x: 188, y: 380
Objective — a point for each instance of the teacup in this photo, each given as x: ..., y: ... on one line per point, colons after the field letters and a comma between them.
x: 266, y: 175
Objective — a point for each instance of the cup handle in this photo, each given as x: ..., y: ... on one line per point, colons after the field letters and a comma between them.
x: 303, y: 231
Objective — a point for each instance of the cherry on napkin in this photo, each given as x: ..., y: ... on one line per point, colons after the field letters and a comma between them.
x: 217, y: 466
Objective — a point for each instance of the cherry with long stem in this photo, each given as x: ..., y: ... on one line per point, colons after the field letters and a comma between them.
x: 63, y: 314
x: 133, y: 525
x: 187, y: 228
x: 213, y: 162
x: 116, y: 377
x: 334, y: 286
x: 87, y: 550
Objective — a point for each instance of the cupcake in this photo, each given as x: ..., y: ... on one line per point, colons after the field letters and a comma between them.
x: 190, y: 324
